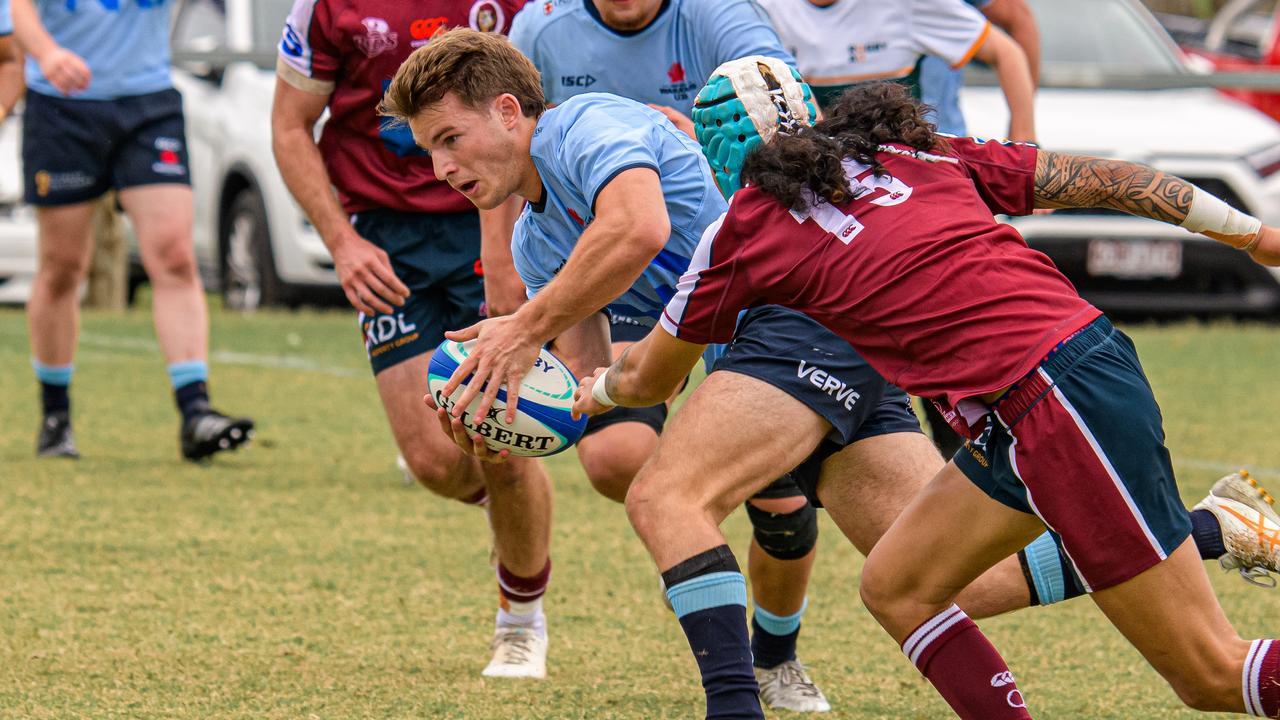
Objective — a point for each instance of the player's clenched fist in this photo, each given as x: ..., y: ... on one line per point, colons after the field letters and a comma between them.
x: 65, y: 70
x: 584, y: 400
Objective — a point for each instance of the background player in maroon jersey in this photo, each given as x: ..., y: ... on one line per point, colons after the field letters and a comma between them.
x: 407, y: 249
x: 882, y: 231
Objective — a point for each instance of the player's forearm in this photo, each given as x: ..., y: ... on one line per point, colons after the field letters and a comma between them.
x: 29, y: 31
x: 305, y: 175
x: 650, y: 371
x: 1011, y: 68
x: 496, y: 226
x: 1016, y: 18
x: 11, y: 84
x: 606, y: 261
x: 1078, y: 181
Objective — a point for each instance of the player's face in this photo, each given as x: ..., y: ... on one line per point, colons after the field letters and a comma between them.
x: 471, y: 149
x: 628, y: 14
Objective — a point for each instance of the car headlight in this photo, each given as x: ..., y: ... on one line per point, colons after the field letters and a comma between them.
x: 1265, y: 162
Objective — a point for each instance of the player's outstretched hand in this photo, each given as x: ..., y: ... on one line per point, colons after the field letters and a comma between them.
x: 65, y: 71
x: 583, y: 403
x: 367, y: 278
x: 503, y: 354
x: 1267, y: 251
x: 470, y: 444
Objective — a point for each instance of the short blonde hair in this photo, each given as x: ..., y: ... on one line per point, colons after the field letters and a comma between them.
x: 475, y: 66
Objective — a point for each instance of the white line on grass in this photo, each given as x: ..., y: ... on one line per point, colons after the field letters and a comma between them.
x: 280, y: 362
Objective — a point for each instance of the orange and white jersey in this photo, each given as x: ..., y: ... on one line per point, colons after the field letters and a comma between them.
x: 852, y: 41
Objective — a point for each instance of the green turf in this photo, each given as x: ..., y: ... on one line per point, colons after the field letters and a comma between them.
x: 300, y: 579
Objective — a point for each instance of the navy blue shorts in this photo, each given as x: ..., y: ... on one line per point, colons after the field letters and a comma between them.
x: 1079, y: 442
x: 802, y: 358
x: 75, y: 150
x: 437, y: 255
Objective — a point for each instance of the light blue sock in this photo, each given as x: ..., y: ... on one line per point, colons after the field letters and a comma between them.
x: 187, y: 372
x: 1045, y: 565
x: 779, y: 624
x: 52, y: 374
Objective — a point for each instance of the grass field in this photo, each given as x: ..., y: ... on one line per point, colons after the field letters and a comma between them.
x: 301, y: 579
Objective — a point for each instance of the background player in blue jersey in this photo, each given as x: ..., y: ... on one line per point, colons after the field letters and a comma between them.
x: 102, y: 114
x: 659, y: 52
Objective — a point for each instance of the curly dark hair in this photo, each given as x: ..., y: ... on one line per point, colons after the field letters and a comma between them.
x: 862, y: 119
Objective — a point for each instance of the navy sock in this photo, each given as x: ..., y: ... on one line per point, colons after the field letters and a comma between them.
x: 1208, y: 535
x: 55, y: 398
x: 709, y: 596
x: 191, y: 399
x: 770, y: 650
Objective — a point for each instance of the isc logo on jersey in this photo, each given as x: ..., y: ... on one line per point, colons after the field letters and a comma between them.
x: 543, y: 425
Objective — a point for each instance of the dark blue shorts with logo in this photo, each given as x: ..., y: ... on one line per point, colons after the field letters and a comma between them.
x: 797, y: 355
x: 437, y: 255
x: 75, y: 150
x: 1079, y: 442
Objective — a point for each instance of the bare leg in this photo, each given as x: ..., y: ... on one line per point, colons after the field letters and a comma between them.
x: 868, y: 484
x: 162, y: 216
x: 53, y: 310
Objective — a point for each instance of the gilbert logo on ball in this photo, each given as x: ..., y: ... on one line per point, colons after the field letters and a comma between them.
x: 543, y: 425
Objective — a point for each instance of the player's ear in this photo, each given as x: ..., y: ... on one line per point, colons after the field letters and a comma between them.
x: 508, y: 109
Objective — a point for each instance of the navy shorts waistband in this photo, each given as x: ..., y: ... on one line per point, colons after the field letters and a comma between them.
x: 1033, y: 386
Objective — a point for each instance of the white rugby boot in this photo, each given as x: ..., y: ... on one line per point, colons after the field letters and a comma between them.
x: 518, y: 652
x: 789, y: 687
x: 1250, y: 527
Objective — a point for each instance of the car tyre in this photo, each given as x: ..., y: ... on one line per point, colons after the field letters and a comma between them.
x: 249, y: 279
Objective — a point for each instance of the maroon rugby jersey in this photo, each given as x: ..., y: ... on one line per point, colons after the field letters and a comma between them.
x: 351, y: 49
x: 914, y: 272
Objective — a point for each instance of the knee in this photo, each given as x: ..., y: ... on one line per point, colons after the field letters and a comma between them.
x: 174, y: 261
x: 785, y: 535
x: 62, y: 274
x: 445, y: 477
x: 610, y: 473
x: 646, y: 501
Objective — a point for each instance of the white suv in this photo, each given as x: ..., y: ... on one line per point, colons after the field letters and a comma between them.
x: 1121, y: 263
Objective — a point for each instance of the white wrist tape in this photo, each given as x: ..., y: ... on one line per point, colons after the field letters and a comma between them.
x: 599, y: 393
x: 1208, y: 213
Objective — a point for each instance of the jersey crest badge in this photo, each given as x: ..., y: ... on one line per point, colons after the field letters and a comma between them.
x: 377, y: 39
x: 486, y: 16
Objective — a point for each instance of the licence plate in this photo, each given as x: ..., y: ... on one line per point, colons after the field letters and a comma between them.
x: 1135, y: 258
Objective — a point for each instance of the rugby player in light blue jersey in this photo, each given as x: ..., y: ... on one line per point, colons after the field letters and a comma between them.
x: 10, y: 73
x: 659, y: 52
x: 102, y: 114
x: 600, y: 232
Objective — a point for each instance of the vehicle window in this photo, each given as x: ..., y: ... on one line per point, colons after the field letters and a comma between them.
x: 1102, y: 35
x: 268, y: 22
x: 200, y: 26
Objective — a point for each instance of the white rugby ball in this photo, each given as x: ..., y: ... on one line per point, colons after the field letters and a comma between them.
x: 543, y: 425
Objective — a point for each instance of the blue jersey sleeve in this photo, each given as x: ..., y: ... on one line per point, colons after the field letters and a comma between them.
x: 532, y: 255
x: 738, y: 28
x: 6, y: 18
x: 602, y: 143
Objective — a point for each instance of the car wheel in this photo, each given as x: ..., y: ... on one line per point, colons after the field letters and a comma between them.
x: 249, y: 279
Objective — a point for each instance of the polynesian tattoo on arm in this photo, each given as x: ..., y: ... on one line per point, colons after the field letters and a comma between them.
x: 619, y: 367
x: 1079, y: 181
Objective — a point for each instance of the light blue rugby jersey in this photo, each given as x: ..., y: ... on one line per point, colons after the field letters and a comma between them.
x: 124, y: 42
x: 666, y: 63
x: 578, y: 147
x: 6, y: 18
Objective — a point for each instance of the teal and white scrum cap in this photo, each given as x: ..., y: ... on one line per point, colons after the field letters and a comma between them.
x: 745, y: 103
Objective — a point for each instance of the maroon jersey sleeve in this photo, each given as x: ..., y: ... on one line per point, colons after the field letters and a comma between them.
x: 310, y: 46
x: 1004, y: 172
x: 714, y: 290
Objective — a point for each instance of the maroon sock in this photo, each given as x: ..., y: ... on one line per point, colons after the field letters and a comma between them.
x: 516, y: 589
x: 965, y: 668
x: 1262, y: 679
